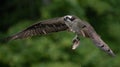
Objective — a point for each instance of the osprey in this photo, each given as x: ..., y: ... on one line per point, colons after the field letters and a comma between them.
x: 68, y: 22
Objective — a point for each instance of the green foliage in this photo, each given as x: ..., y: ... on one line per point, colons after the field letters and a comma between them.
x: 54, y: 50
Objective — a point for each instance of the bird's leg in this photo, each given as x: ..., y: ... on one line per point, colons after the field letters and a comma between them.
x: 76, y: 41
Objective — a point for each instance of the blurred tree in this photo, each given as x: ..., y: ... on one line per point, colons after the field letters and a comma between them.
x: 54, y: 51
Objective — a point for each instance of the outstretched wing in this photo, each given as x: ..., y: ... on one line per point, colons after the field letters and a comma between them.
x: 89, y: 32
x: 42, y: 27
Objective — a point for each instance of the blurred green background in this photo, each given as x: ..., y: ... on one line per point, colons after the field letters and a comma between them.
x: 54, y: 50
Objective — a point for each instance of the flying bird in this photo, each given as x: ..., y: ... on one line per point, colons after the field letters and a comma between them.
x: 68, y: 22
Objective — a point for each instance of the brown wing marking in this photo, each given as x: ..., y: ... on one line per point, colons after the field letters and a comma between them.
x: 43, y: 27
x: 90, y: 32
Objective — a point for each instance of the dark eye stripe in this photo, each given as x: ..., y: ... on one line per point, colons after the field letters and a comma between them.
x: 66, y: 18
x: 72, y: 18
x: 69, y: 18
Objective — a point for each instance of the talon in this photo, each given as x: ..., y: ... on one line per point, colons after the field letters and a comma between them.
x: 76, y: 42
x: 75, y: 45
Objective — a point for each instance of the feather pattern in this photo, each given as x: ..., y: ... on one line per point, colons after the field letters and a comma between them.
x: 42, y: 27
x: 90, y: 33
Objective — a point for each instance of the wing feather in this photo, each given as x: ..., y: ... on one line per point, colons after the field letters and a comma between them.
x: 42, y: 27
x: 90, y: 33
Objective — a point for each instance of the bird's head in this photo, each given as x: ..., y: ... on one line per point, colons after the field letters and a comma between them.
x: 69, y: 18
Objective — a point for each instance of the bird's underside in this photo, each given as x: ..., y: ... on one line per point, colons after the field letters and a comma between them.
x: 73, y: 23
